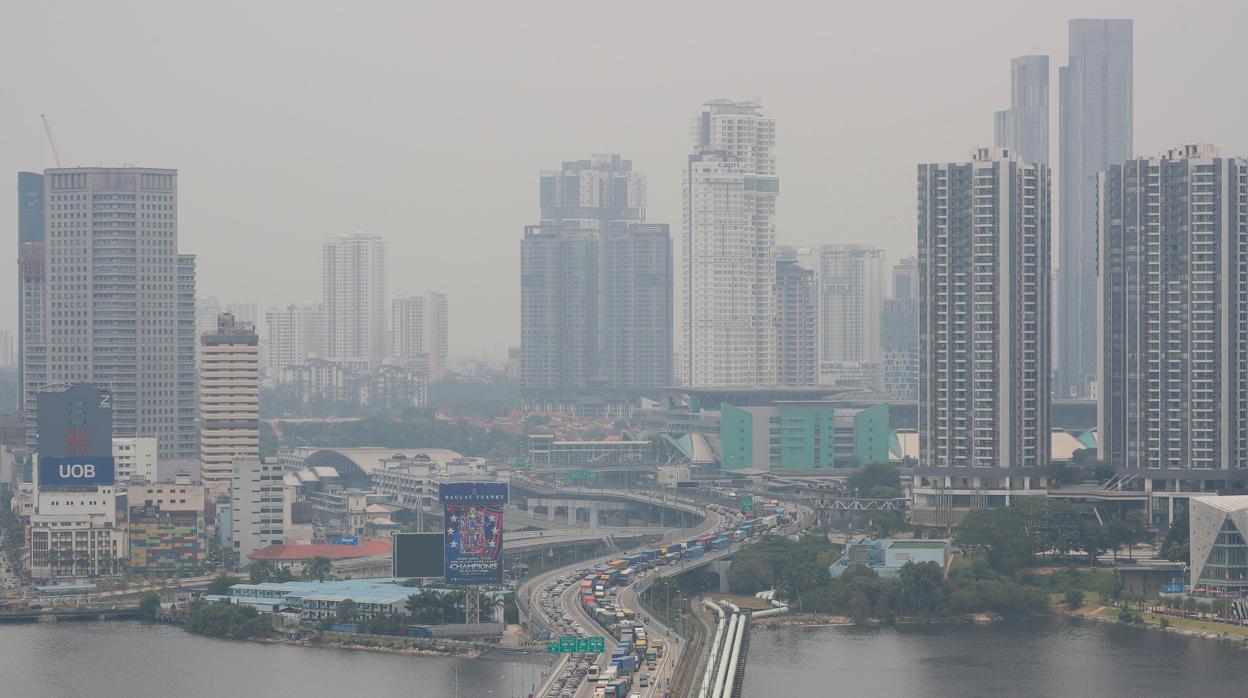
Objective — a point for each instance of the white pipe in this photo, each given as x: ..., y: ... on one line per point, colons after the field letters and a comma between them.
x: 726, y: 651
x: 779, y: 610
x: 736, y: 653
x: 709, y: 671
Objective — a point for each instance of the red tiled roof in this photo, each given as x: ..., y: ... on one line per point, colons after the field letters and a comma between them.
x: 366, y: 548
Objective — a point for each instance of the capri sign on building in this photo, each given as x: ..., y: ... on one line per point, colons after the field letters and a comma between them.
x: 76, y: 471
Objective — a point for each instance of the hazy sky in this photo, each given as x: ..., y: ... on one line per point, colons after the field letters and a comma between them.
x: 428, y: 122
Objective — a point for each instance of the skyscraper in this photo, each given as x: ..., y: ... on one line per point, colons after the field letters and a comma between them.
x: 797, y: 336
x: 1173, y: 373
x: 32, y: 356
x: 558, y: 315
x: 851, y: 290
x: 1024, y: 127
x: 728, y: 335
x: 119, y: 310
x: 229, y: 400
x: 1095, y: 132
x: 296, y: 333
x: 353, y: 296
x: 637, y: 317
x: 592, y: 195
x: 906, y: 279
x: 984, y: 232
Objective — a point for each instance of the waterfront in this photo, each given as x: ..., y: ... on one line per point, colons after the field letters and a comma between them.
x: 108, y: 659
x: 1052, y: 657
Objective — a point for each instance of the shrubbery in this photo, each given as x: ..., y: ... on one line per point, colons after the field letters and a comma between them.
x: 227, y: 620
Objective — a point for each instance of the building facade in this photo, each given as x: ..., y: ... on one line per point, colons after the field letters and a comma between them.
x: 229, y: 400
x: 1024, y: 127
x: 1095, y: 129
x: 811, y: 435
x: 436, y: 337
x: 636, y: 320
x: 983, y: 333
x: 259, y: 507
x: 1218, y: 543
x: 1173, y: 369
x: 353, y: 297
x: 296, y: 333
x: 558, y: 313
x: 851, y: 290
x: 797, y: 326
x: 899, y: 343
x: 728, y: 335
x: 31, y: 331
x: 110, y: 254
x: 407, y: 331
x: 167, y: 532
x: 135, y: 459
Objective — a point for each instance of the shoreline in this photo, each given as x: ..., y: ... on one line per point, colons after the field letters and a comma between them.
x: 381, y: 645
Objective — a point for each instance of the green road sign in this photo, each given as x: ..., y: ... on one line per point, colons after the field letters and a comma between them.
x: 569, y: 644
x: 522, y: 463
x: 747, y: 503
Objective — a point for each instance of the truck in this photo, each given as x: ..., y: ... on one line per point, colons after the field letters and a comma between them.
x: 625, y: 577
x: 675, y: 547
x: 618, y: 564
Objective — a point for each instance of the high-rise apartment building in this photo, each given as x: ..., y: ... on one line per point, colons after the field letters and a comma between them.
x: 435, y: 333
x: 851, y: 290
x: 558, y: 314
x: 984, y: 237
x: 728, y: 335
x: 1095, y: 132
x: 32, y: 348
x: 1173, y: 373
x: 296, y: 333
x: 353, y: 297
x: 797, y: 334
x: 119, y: 304
x: 229, y: 400
x: 407, y: 332
x: 1024, y: 127
x: 636, y: 321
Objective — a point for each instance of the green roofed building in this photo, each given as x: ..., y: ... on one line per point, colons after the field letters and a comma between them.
x: 805, y: 435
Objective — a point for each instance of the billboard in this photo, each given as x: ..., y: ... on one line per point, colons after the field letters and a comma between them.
x: 77, y: 421
x: 76, y: 471
x: 418, y: 555
x: 474, y: 544
x: 473, y: 493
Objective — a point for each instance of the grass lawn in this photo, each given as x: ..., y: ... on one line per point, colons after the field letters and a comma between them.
x: 1090, y: 598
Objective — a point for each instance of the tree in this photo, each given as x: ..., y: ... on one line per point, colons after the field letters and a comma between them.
x: 318, y: 568
x: 859, y: 606
x: 1074, y: 598
x: 921, y: 587
x: 1137, y: 529
x: 221, y: 585
x: 1116, y: 534
x: 261, y: 571
x: 283, y: 574
x: 996, y: 535
x: 149, y: 604
x: 348, y: 611
x: 876, y: 481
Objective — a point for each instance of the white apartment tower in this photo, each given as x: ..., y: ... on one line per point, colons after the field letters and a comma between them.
x: 353, y: 296
x: 296, y: 333
x: 728, y: 335
x: 407, y: 331
x: 260, y: 507
x: 229, y: 370
x: 984, y: 238
x: 436, y: 344
x: 851, y: 291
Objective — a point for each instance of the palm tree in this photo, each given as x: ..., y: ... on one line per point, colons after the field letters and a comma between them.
x: 261, y: 571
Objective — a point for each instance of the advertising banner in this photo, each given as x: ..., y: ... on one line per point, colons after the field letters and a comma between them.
x: 473, y: 493
x: 474, y: 544
x: 76, y: 471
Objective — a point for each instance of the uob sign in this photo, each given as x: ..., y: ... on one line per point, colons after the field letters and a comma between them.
x: 76, y: 471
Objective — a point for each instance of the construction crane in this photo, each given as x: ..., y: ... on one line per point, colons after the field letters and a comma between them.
x: 47, y: 128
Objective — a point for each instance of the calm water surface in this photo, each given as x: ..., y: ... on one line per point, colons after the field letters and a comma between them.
x: 83, y: 660
x: 1040, y: 658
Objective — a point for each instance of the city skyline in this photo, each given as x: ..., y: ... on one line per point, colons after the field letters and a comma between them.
x: 439, y: 234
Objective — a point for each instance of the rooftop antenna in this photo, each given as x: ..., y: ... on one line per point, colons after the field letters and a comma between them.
x: 47, y: 128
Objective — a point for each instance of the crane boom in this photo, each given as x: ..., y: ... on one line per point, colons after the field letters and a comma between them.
x: 47, y: 128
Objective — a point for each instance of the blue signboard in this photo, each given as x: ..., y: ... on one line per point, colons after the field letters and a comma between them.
x: 473, y: 493
x: 76, y: 471
x: 345, y: 540
x: 474, y: 544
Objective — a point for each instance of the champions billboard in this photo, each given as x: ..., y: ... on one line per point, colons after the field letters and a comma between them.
x: 474, y: 531
x: 76, y: 471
